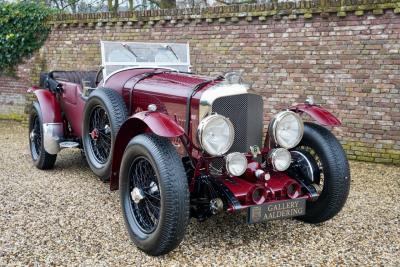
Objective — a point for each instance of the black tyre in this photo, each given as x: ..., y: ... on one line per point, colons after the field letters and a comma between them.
x: 40, y: 157
x: 104, y: 113
x: 154, y: 194
x: 334, y: 173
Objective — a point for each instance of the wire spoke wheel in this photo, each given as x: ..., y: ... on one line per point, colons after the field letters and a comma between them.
x: 100, y: 135
x: 104, y: 114
x: 145, y: 195
x: 41, y: 159
x: 154, y: 194
x: 35, y: 136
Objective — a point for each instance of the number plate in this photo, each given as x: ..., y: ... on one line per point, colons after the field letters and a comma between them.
x: 277, y: 210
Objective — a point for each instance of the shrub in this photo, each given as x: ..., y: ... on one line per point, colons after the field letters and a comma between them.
x: 23, y: 30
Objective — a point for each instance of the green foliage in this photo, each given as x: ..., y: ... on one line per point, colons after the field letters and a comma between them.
x: 23, y: 30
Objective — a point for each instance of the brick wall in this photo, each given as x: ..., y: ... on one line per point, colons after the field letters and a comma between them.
x: 348, y: 58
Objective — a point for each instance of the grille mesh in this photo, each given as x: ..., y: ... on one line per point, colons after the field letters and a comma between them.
x: 246, y: 114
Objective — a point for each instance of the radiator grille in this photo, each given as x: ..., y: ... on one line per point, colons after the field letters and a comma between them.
x: 246, y: 113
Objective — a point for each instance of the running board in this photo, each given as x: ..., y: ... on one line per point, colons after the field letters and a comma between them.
x: 69, y: 144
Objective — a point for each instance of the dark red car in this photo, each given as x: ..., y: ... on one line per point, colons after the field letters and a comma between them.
x: 179, y: 145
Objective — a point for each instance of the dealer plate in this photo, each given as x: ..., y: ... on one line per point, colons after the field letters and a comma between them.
x: 276, y: 210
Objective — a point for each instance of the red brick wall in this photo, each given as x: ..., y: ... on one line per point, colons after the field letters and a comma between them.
x: 12, y: 92
x: 349, y: 62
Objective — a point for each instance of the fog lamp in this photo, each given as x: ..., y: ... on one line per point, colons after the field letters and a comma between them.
x: 236, y: 163
x: 280, y: 159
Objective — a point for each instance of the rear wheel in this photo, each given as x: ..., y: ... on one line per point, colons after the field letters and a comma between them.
x: 104, y: 113
x: 330, y: 171
x: 40, y: 157
x: 154, y: 194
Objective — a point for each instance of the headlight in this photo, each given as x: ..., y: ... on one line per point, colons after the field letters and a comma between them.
x: 280, y: 159
x: 286, y: 129
x: 215, y: 134
x: 236, y: 163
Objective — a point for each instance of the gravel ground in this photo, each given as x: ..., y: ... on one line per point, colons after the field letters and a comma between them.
x: 66, y: 216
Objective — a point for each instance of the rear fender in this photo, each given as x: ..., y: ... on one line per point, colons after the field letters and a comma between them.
x: 318, y: 113
x: 142, y: 122
x: 53, y: 128
x: 49, y: 106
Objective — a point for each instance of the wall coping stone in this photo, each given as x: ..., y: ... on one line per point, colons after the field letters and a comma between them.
x: 230, y: 13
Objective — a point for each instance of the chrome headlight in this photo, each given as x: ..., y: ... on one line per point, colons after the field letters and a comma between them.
x: 215, y: 134
x: 236, y: 163
x: 280, y: 159
x: 286, y: 129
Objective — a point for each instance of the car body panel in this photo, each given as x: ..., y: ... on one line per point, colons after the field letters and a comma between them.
x: 318, y: 113
x: 73, y: 105
x: 160, y: 124
x: 49, y: 106
x: 142, y: 122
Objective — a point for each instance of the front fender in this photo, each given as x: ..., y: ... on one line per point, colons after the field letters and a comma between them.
x: 160, y: 124
x: 318, y: 113
x: 142, y: 122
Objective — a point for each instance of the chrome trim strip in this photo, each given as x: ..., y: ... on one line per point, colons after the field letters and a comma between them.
x: 52, y: 136
x: 219, y: 90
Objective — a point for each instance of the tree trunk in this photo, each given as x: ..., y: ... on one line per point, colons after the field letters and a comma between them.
x: 130, y: 5
x: 73, y: 5
x: 116, y: 5
x: 110, y: 5
x: 166, y: 4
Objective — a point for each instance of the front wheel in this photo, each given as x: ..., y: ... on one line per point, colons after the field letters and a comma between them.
x: 154, y: 194
x: 333, y: 172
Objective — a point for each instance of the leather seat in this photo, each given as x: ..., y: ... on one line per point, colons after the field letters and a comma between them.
x: 70, y: 76
x: 76, y: 76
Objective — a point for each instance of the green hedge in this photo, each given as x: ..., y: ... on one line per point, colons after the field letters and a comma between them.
x: 23, y: 30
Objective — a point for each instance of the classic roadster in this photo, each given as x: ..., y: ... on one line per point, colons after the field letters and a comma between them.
x: 179, y: 145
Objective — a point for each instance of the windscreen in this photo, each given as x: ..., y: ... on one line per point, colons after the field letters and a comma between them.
x: 120, y: 55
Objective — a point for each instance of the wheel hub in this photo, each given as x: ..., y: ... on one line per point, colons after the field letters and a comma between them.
x: 94, y: 134
x: 137, y: 195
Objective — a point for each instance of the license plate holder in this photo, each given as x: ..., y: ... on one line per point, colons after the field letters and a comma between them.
x: 276, y: 210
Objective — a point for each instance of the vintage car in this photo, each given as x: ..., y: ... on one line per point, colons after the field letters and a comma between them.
x: 179, y: 145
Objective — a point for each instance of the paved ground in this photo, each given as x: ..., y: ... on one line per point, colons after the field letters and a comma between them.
x: 66, y: 216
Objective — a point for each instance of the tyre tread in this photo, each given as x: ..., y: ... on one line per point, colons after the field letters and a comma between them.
x: 117, y: 113
x: 175, y: 197
x: 337, y: 169
x: 45, y: 160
